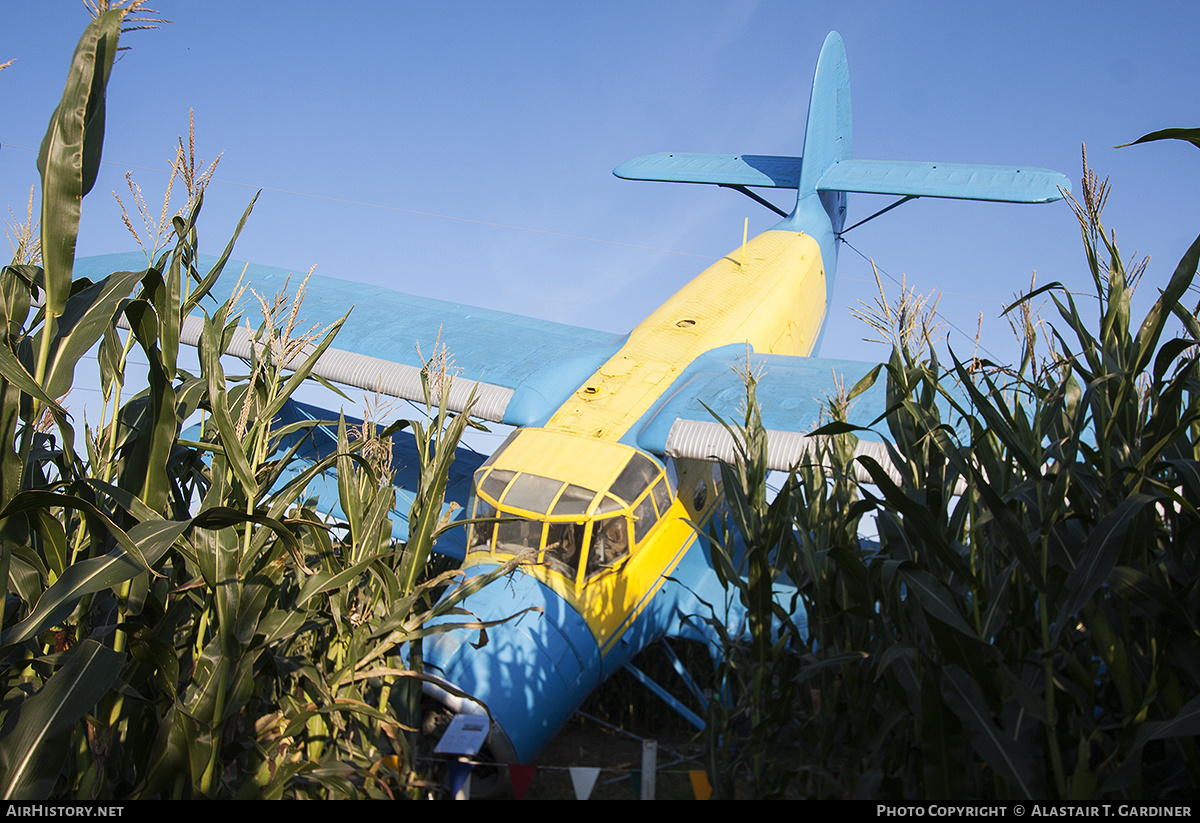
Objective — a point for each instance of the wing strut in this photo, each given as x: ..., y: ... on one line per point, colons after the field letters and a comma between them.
x: 760, y: 200
x: 884, y: 210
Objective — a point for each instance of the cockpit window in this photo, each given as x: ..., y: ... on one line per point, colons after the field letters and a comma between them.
x: 635, y: 479
x: 662, y: 497
x: 532, y: 493
x: 610, y: 544
x: 516, y: 536
x: 563, y: 544
x: 481, y: 533
x: 574, y: 500
x: 644, y: 518
x: 618, y: 496
x: 609, y: 505
x: 493, y: 485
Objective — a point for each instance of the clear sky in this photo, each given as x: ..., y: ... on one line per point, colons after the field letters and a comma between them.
x: 370, y: 125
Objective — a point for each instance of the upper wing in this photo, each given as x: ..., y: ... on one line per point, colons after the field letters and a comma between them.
x: 520, y: 368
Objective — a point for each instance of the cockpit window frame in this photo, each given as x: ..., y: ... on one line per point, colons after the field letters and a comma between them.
x: 647, y: 480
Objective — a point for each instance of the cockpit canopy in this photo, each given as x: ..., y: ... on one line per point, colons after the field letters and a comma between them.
x: 584, y: 505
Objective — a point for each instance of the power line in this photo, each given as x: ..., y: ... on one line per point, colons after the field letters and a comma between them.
x: 937, y: 313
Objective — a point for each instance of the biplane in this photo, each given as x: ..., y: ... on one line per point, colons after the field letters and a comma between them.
x: 611, y: 459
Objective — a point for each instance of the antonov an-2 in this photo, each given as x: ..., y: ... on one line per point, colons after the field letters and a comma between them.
x: 613, y: 450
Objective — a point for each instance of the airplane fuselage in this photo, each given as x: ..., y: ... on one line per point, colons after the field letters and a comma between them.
x: 603, y: 525
x: 769, y: 294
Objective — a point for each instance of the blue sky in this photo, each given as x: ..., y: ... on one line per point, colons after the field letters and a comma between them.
x: 370, y: 125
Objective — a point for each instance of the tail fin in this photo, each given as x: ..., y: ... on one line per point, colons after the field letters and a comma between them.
x: 827, y: 132
x: 818, y: 212
x: 826, y: 169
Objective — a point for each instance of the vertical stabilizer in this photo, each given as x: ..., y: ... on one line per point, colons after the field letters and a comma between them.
x: 827, y: 133
x: 821, y: 214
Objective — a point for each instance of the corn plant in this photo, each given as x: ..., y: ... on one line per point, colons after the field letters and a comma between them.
x: 37, y: 470
x: 179, y: 622
x: 749, y: 718
x: 1028, y: 626
x: 776, y: 679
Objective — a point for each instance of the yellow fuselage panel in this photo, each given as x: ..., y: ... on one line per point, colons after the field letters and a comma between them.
x: 612, y: 601
x: 583, y: 461
x: 771, y: 296
x: 613, y: 598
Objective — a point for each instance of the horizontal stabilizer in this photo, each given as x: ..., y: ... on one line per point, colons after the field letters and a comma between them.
x: 722, y: 169
x: 1005, y: 184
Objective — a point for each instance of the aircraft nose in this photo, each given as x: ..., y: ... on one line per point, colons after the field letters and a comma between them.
x: 534, y: 670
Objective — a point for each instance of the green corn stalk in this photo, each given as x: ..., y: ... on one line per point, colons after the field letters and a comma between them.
x: 1027, y: 626
x: 263, y: 652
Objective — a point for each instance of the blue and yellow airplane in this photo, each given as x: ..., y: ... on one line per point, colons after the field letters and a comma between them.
x: 612, y: 455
